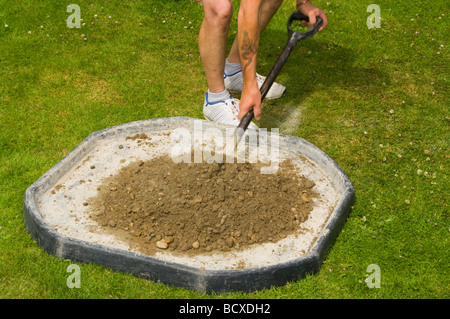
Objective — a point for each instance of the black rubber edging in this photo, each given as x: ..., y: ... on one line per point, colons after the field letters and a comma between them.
x: 174, y: 274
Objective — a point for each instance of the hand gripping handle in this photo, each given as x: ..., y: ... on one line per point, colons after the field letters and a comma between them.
x: 302, y: 35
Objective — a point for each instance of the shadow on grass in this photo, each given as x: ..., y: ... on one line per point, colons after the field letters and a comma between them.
x: 314, y: 65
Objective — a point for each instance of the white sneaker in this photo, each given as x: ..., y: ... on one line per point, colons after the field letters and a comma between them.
x: 224, y: 112
x: 234, y: 83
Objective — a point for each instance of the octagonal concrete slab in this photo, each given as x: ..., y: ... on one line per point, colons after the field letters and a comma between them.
x: 56, y: 218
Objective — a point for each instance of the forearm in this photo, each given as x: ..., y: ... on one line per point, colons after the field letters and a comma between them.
x: 248, y: 38
x: 301, y: 3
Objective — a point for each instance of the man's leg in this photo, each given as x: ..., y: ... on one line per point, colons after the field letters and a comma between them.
x: 219, y: 106
x: 212, y: 41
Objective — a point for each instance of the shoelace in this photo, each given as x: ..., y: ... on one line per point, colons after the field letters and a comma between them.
x: 232, y: 105
x: 260, y: 79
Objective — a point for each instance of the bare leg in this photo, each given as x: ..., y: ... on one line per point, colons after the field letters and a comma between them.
x: 212, y: 41
x: 268, y: 9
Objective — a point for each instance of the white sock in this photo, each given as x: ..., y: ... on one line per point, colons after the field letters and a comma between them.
x: 232, y: 68
x: 216, y: 97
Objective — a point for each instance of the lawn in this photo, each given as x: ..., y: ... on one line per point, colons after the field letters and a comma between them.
x: 374, y: 99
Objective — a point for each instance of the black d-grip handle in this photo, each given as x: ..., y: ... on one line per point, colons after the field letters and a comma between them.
x: 297, y: 36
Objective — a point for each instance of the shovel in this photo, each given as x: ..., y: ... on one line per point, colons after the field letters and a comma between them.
x: 294, y: 38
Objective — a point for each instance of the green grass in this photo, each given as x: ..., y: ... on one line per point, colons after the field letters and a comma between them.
x: 375, y: 100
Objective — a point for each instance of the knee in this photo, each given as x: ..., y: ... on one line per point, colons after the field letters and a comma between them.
x: 218, y: 11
